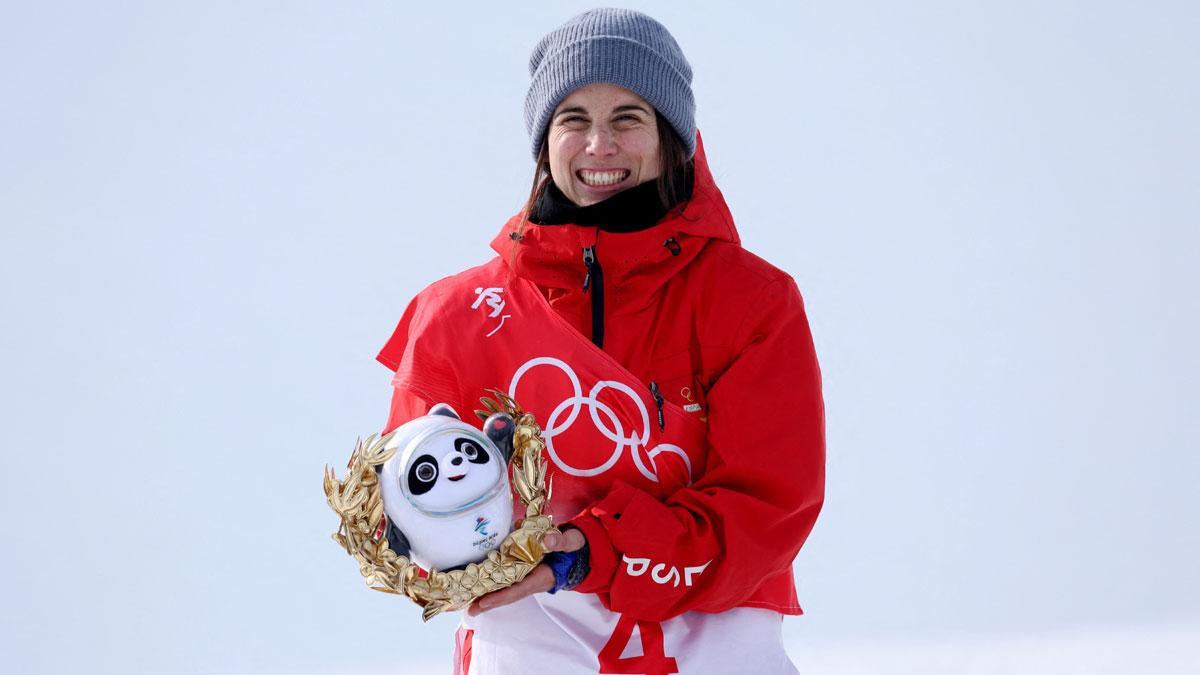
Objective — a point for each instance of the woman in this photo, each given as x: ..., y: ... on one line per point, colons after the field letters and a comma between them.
x: 672, y: 371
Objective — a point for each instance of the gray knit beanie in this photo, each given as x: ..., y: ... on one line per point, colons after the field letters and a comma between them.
x: 616, y: 46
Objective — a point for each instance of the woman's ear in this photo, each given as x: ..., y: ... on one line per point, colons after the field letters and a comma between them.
x: 500, y: 428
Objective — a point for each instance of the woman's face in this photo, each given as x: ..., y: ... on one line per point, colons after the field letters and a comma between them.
x: 602, y: 139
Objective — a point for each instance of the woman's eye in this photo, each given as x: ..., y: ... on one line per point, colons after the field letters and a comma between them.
x: 426, y: 473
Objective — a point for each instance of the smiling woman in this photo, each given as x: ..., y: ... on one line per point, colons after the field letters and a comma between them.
x: 603, y: 139
x: 683, y: 492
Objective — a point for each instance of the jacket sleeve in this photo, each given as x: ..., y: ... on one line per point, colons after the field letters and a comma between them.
x: 424, y: 375
x: 709, y: 546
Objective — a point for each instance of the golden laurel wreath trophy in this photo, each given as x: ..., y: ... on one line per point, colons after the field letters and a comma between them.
x: 394, y: 483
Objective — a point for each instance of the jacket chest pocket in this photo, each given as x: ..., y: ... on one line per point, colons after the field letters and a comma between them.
x: 686, y: 392
x: 681, y: 456
x: 682, y: 382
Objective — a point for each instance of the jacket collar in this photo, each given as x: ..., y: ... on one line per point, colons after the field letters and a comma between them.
x: 630, y: 210
x: 636, y: 264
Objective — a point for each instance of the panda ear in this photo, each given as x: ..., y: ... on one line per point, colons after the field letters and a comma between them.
x: 444, y: 409
x: 499, y: 428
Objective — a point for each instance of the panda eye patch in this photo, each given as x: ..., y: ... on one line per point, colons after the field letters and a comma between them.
x: 471, y: 450
x: 422, y: 475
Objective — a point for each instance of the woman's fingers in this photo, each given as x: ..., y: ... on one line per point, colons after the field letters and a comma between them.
x: 539, y: 580
x: 567, y: 540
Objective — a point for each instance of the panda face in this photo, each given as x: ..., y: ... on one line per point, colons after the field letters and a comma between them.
x: 449, y: 471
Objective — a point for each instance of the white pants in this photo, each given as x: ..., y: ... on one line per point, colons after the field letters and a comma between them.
x: 574, y: 633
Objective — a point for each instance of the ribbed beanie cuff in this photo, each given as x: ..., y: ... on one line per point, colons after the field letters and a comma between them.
x: 614, y: 46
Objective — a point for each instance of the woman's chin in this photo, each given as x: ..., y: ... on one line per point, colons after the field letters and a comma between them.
x: 586, y: 195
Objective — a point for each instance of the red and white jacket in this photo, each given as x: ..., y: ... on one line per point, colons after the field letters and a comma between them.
x: 689, y: 450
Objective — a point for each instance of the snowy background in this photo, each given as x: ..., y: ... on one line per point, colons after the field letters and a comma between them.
x: 212, y: 214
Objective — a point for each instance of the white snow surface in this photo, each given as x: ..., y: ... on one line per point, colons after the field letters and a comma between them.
x: 1155, y: 650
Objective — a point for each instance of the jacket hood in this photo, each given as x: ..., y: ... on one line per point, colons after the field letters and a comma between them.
x: 635, y: 263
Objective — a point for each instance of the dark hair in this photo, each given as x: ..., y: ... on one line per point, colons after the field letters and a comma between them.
x: 672, y: 184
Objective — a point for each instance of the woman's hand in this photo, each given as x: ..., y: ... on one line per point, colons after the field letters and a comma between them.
x: 541, y: 579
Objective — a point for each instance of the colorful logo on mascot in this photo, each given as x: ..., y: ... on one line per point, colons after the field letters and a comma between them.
x: 488, y: 540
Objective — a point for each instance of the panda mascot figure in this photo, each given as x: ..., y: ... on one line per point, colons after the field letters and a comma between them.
x: 445, y: 490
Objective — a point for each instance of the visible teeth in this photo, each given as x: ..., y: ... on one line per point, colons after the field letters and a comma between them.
x: 603, y: 177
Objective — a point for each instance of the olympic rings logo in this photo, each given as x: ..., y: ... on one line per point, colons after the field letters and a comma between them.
x: 603, y: 418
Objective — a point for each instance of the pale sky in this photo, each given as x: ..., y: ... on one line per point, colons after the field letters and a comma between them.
x: 212, y: 215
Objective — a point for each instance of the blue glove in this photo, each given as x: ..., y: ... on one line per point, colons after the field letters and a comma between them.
x: 570, y: 568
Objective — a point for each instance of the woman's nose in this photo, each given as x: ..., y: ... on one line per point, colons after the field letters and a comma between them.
x: 601, y: 142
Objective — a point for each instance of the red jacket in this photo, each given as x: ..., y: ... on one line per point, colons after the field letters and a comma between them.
x: 724, y: 336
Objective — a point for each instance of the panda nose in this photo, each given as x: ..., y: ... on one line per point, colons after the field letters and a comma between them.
x: 456, y: 461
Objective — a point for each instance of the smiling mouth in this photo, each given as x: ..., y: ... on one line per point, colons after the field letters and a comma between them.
x: 602, y: 178
x: 456, y: 478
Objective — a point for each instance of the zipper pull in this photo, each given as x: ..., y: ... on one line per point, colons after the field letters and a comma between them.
x: 589, y: 260
x: 658, y: 401
x: 673, y: 246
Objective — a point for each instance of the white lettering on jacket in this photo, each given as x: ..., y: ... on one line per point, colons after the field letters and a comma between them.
x: 661, y: 573
x: 492, y: 297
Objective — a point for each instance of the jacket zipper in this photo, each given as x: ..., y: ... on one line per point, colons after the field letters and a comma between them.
x: 593, y: 281
x: 658, y: 402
